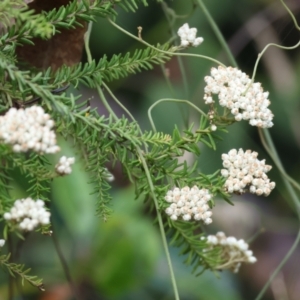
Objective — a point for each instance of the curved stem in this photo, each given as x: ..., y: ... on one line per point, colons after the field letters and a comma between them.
x: 264, y: 50
x: 167, y: 10
x: 120, y: 104
x: 65, y: 266
x: 291, y: 14
x: 271, y: 149
x: 171, y: 16
x: 162, y: 51
x: 125, y: 109
x: 229, y: 264
x: 87, y: 42
x: 218, y: 33
x: 170, y: 100
x: 105, y: 103
x: 255, y: 235
x: 160, y: 222
x: 10, y: 278
x: 277, y: 270
x: 89, y: 58
x: 275, y: 160
x: 167, y: 79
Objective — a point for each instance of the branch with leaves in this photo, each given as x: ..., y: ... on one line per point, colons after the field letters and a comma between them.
x: 36, y: 111
x: 19, y: 270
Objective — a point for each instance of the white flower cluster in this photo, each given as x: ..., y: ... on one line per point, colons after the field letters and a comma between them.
x: 2, y: 242
x: 63, y: 167
x: 188, y: 36
x: 28, y: 129
x: 234, y: 252
x: 245, y: 172
x: 189, y: 203
x: 246, y: 100
x: 28, y: 213
x: 108, y: 175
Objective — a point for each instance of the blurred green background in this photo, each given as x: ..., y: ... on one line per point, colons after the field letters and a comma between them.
x: 123, y: 258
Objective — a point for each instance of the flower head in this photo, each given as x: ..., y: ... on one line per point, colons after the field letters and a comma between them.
x: 188, y: 36
x: 108, y: 175
x: 28, y: 214
x: 233, y: 251
x: 243, y: 172
x: 2, y: 242
x: 246, y: 100
x: 64, y: 165
x: 28, y: 129
x: 189, y: 203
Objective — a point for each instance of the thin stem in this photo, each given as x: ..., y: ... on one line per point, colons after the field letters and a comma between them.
x: 105, y: 103
x: 229, y: 264
x: 10, y: 278
x: 171, y: 17
x: 275, y: 160
x: 170, y: 100
x: 260, y: 56
x: 255, y: 235
x: 279, y: 267
x: 87, y: 42
x: 218, y: 33
x: 125, y: 109
x: 166, y: 10
x: 291, y: 14
x: 64, y: 266
x: 19, y: 289
x: 17, y: 254
x: 162, y: 51
x: 167, y: 79
x: 264, y: 50
x: 160, y: 222
x: 275, y: 157
x: 120, y: 104
x: 89, y: 58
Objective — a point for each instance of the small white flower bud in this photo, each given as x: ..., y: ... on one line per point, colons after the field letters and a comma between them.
x: 63, y: 167
x: 213, y: 127
x: 188, y: 36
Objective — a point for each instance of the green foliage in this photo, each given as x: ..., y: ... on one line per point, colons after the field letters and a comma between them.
x: 68, y: 16
x: 151, y: 160
x: 16, y: 12
x: 5, y: 185
x: 17, y: 269
x: 33, y: 167
x: 119, y: 142
x: 130, y: 5
x: 188, y: 239
x: 119, y: 66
